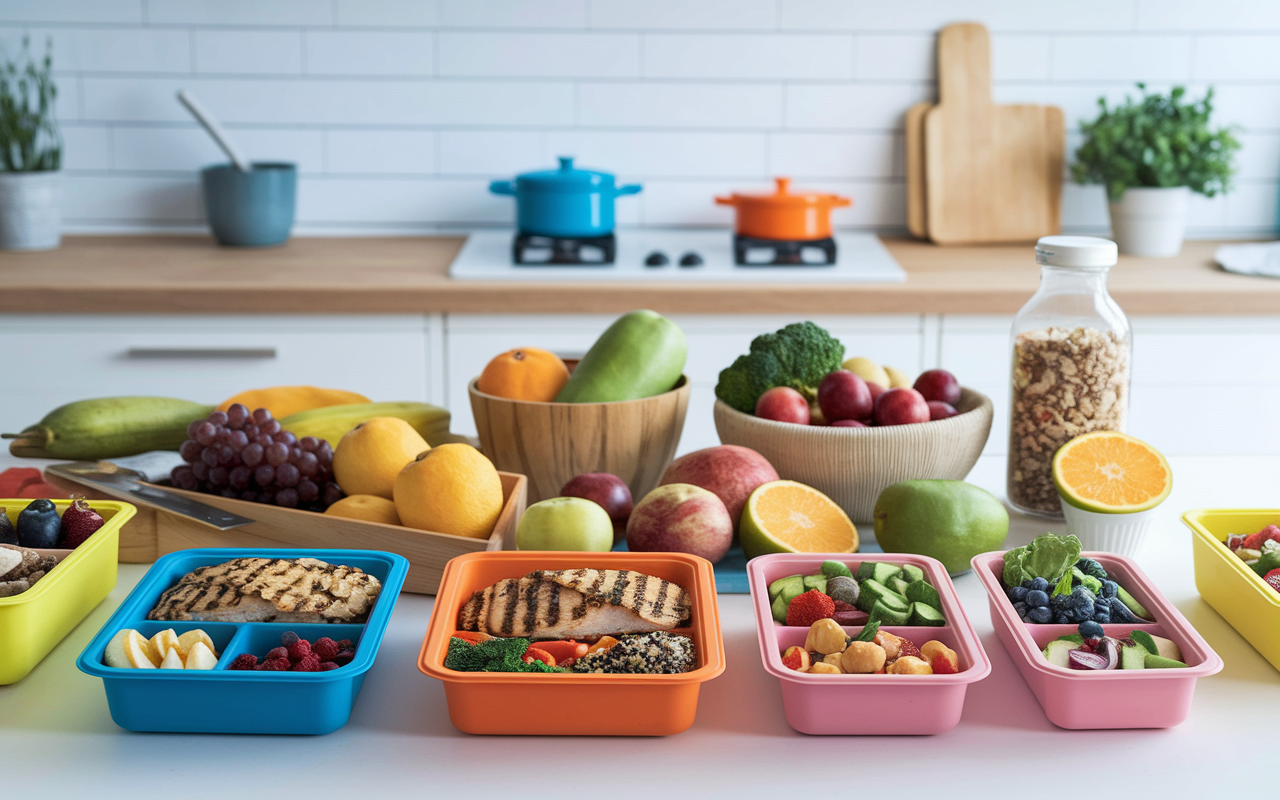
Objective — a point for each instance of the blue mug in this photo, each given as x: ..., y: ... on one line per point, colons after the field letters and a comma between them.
x: 250, y: 209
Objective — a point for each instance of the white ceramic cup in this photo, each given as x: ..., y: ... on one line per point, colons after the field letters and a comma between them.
x: 1123, y: 534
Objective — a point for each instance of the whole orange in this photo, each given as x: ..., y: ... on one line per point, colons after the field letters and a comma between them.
x: 450, y: 489
x: 366, y: 507
x: 524, y: 374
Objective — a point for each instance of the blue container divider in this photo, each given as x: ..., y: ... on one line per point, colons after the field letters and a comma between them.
x: 241, y: 701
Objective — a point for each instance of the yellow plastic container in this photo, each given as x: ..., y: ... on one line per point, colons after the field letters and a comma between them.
x: 32, y: 623
x: 1228, y: 584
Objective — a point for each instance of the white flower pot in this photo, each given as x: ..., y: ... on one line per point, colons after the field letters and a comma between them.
x: 1150, y: 221
x: 30, y: 210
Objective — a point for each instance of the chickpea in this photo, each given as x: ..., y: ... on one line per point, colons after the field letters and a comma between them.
x: 823, y: 668
x: 892, y: 644
x: 833, y: 659
x: 796, y: 658
x: 934, y: 648
x: 862, y: 658
x: 826, y: 637
x: 910, y: 665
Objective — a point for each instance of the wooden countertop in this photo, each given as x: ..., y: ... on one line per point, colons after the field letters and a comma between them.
x: 190, y: 274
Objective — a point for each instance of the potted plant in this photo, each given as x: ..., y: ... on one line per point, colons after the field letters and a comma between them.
x: 30, y: 154
x: 1150, y: 154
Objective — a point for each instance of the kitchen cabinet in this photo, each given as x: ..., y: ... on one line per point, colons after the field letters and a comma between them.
x: 54, y: 359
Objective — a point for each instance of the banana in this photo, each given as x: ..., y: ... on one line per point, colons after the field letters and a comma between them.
x: 108, y: 427
x: 332, y: 422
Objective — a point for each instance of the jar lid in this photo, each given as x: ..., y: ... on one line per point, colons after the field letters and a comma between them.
x: 1075, y: 251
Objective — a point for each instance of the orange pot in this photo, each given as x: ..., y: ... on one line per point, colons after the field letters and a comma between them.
x: 802, y: 216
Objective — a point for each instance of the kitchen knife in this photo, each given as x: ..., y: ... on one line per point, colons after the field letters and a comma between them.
x: 125, y: 479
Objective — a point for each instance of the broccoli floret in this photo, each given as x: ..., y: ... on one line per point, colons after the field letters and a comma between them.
x: 800, y: 356
x: 492, y: 655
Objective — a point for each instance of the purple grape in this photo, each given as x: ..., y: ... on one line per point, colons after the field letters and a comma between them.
x: 331, y: 494
x: 287, y: 498
x: 207, y: 433
x: 308, y: 492
x: 218, y: 418
x: 200, y: 470
x: 309, y: 443
x: 264, y: 475
x: 251, y: 454
x: 239, y: 477
x: 238, y: 440
x: 227, y: 491
x: 250, y: 496
x: 277, y: 454
x: 250, y: 431
x: 308, y: 465
x: 190, y: 451
x: 325, y: 454
x: 225, y: 454
x: 287, y: 437
x: 261, y: 415
x: 193, y: 427
x: 210, y: 456
x: 264, y: 439
x: 184, y: 478
x: 223, y: 435
x: 218, y: 476
x: 237, y: 415
x: 287, y: 475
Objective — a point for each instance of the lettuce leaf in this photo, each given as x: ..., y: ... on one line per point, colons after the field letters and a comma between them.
x: 1048, y: 556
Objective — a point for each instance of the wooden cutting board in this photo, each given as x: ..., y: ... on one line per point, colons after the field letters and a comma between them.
x: 914, y: 141
x: 993, y: 173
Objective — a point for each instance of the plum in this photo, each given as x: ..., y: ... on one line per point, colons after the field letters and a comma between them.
x: 940, y: 385
x: 843, y: 395
x: 941, y: 410
x: 901, y: 407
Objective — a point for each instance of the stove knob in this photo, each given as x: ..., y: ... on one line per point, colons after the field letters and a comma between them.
x: 656, y: 259
x: 691, y: 259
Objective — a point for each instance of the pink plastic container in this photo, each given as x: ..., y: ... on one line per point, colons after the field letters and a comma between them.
x: 1094, y: 700
x: 868, y: 705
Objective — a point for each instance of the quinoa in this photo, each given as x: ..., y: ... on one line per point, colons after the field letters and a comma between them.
x: 656, y: 653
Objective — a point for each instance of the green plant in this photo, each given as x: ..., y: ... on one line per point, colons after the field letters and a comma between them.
x: 29, y: 137
x: 1156, y: 141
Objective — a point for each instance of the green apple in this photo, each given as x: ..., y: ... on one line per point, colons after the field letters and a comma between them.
x: 952, y: 521
x: 565, y: 523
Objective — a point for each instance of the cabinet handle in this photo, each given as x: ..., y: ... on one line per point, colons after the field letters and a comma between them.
x: 201, y: 352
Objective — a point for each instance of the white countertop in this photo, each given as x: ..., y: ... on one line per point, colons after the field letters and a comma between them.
x: 57, y: 738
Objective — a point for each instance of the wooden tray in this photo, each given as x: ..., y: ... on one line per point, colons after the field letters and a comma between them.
x: 153, y: 533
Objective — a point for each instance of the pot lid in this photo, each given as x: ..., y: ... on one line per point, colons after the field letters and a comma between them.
x: 567, y: 178
x: 782, y: 194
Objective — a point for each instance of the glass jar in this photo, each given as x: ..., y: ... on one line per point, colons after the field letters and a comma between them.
x: 1070, y: 375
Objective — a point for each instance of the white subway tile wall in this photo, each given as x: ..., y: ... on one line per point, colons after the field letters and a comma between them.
x: 398, y: 112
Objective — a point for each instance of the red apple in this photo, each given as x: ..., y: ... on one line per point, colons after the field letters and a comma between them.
x: 849, y: 423
x: 728, y: 471
x: 680, y: 518
x: 941, y: 410
x: 607, y: 491
x: 901, y: 407
x: 939, y: 385
x: 843, y: 395
x: 876, y: 390
x: 783, y: 404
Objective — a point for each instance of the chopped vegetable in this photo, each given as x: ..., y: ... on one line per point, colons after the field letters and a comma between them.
x: 492, y: 655
x: 563, y: 652
x: 538, y: 654
x: 602, y: 645
x: 799, y: 356
x: 868, y: 631
x: 1048, y: 556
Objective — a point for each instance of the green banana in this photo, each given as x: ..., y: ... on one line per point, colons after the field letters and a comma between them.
x: 108, y: 427
x: 331, y: 423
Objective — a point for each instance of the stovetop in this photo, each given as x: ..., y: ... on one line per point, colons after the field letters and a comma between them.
x: 860, y: 258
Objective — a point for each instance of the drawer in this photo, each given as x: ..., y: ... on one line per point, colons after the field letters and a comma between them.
x: 58, y: 359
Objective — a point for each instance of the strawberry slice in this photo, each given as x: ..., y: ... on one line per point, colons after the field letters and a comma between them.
x: 1273, y: 579
x: 942, y: 665
x: 1254, y: 541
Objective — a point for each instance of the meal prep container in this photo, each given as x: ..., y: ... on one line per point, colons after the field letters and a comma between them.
x: 1234, y: 590
x: 32, y: 623
x: 868, y: 705
x: 1102, y: 699
x: 573, y: 704
x: 567, y: 202
x: 783, y: 215
x: 241, y: 701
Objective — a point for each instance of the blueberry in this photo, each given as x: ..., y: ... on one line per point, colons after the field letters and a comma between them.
x: 39, y: 524
x: 1091, y: 630
x: 1062, y: 618
x: 1040, y: 616
x: 1017, y: 594
x: 1040, y: 583
x: 1021, y: 608
x: 1101, y: 613
x: 1109, y: 589
x: 1037, y: 598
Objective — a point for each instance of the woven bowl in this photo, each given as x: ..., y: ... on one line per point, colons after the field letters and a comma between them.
x: 853, y: 465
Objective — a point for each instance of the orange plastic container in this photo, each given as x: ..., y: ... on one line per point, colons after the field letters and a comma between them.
x: 571, y: 704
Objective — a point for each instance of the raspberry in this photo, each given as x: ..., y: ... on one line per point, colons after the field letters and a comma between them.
x: 309, y: 663
x: 344, y: 657
x: 326, y: 648
x: 1254, y: 541
x: 276, y: 652
x: 325, y: 666
x: 299, y: 650
x: 942, y: 665
x: 1273, y: 579
x: 244, y: 661
x: 277, y: 665
x: 288, y: 637
x: 808, y: 608
x: 345, y: 644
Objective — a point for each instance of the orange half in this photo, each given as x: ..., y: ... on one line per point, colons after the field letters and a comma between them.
x: 1111, y: 473
x: 790, y: 517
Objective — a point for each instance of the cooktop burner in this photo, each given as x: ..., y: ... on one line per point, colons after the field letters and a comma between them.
x: 530, y: 249
x: 748, y: 251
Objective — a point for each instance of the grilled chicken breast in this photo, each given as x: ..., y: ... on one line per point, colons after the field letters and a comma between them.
x: 270, y: 590
x: 559, y: 604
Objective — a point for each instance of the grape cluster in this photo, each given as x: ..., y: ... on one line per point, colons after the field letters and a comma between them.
x: 247, y: 456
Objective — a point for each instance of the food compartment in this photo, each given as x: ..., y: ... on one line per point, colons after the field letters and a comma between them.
x: 795, y: 637
x: 222, y: 700
x: 1228, y: 584
x: 1102, y: 699
x: 34, y: 622
x: 570, y: 703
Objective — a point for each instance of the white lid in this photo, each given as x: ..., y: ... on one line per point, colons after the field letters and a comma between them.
x: 1075, y: 251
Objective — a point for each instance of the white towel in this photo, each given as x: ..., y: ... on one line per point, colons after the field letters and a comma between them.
x: 1260, y: 258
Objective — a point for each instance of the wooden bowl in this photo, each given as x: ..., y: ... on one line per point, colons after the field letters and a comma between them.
x: 550, y: 443
x: 853, y: 465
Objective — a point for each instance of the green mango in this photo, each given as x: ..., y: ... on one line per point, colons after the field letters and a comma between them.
x: 640, y: 355
x: 951, y: 521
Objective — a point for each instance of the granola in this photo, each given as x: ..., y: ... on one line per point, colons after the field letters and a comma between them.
x: 1066, y: 382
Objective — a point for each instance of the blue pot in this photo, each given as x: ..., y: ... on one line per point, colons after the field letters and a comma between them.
x: 251, y: 209
x: 565, y: 202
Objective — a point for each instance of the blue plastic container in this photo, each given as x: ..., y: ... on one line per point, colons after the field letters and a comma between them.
x: 241, y: 701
